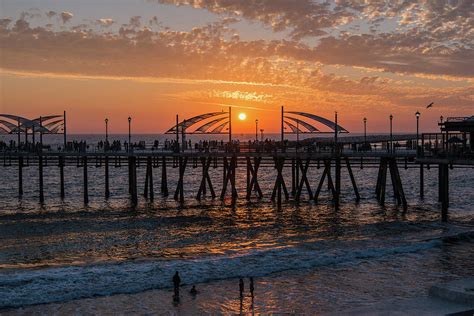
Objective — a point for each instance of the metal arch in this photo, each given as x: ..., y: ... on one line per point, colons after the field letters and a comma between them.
x: 9, y: 125
x: 322, y: 120
x: 47, y: 118
x: 56, y: 129
x: 205, y: 127
x: 293, y: 127
x: 190, y: 122
x: 219, y: 128
x: 26, y: 124
x: 309, y: 127
x: 4, y: 130
x: 17, y: 118
x: 52, y: 124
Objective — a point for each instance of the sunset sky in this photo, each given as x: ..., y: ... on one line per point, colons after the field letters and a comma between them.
x: 152, y: 59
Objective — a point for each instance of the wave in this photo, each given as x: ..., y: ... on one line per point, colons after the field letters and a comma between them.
x: 28, y: 287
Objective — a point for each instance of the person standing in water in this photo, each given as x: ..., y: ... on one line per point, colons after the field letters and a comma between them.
x: 176, y: 283
x: 193, y: 291
x: 241, y: 288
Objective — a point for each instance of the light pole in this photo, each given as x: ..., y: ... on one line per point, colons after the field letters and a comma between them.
x: 106, y: 130
x: 129, y: 134
x: 365, y: 131
x: 391, y: 135
x: 417, y: 114
x: 256, y: 130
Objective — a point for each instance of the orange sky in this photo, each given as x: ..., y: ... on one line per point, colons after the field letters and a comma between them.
x: 93, y: 67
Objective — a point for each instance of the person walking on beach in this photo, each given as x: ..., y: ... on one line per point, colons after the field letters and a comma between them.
x: 241, y: 288
x: 176, y: 282
x: 251, y: 286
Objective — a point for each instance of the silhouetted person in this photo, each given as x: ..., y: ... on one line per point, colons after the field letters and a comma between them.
x: 251, y: 286
x: 176, y: 282
x: 193, y: 291
x: 241, y: 287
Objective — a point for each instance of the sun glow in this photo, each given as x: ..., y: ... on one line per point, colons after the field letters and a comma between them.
x: 242, y: 116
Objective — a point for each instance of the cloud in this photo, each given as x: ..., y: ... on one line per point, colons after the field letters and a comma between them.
x: 51, y: 14
x: 105, y: 22
x: 215, y: 53
x: 307, y: 18
x: 66, y: 16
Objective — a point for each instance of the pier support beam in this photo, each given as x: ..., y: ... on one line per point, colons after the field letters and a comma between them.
x: 338, y: 181
x: 279, y: 182
x: 41, y: 183
x: 20, y: 176
x: 326, y: 173
x: 252, y: 184
x: 293, y: 177
x: 86, y: 189
x: 304, y: 179
x: 61, y: 176
x: 444, y: 190
x: 206, y: 179
x: 422, y: 181
x: 132, y: 183
x: 229, y: 178
x: 399, y: 194
x: 179, y: 193
x: 164, y: 178
x: 107, y: 182
x: 149, y: 179
x: 351, y: 175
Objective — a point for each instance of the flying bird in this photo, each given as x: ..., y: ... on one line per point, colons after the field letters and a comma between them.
x: 430, y: 105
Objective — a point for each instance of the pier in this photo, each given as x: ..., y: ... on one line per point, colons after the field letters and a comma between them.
x: 291, y: 160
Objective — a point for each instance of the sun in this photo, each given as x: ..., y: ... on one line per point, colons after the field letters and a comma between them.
x: 242, y: 116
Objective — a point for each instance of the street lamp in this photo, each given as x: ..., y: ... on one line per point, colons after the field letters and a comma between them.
x: 106, y: 130
x: 391, y: 135
x: 256, y: 130
x: 365, y: 131
x: 417, y: 114
x: 129, y: 133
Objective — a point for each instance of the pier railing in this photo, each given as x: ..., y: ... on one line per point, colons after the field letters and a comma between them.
x: 446, y: 145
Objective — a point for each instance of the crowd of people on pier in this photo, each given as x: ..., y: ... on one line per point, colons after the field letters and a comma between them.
x: 430, y: 146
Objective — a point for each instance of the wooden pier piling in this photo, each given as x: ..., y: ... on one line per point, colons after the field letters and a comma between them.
x: 253, y: 183
x: 20, y: 176
x: 41, y: 182
x: 351, y: 175
x: 301, y: 164
x: 338, y: 181
x: 326, y: 174
x: 304, y: 179
x: 443, y: 182
x: 229, y: 178
x: 390, y: 163
x: 61, y: 163
x: 179, y: 193
x: 206, y: 179
x: 107, y: 182
x: 279, y: 182
x: 86, y: 181
x: 164, y: 177
x: 422, y: 181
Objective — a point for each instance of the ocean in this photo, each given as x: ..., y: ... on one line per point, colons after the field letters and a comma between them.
x: 110, y: 257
